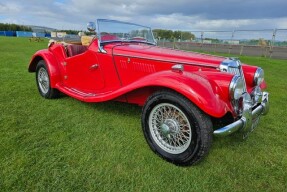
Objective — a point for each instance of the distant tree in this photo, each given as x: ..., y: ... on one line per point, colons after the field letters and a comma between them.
x: 71, y: 32
x: 177, y: 34
x: 163, y: 34
x: 13, y: 27
x: 187, y: 36
x: 254, y: 42
x: 170, y: 35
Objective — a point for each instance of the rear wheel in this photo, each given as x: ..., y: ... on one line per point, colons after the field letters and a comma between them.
x: 175, y: 128
x: 43, y: 81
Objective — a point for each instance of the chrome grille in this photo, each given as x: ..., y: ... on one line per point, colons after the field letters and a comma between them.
x: 234, y: 71
x: 233, y: 65
x: 238, y: 71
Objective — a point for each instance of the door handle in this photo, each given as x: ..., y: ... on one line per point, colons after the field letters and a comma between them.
x: 95, y: 66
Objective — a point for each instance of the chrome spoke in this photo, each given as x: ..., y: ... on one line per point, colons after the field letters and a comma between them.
x: 170, y: 128
x: 43, y: 80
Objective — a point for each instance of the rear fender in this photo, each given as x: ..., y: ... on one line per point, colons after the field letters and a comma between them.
x: 204, y: 94
x: 51, y: 63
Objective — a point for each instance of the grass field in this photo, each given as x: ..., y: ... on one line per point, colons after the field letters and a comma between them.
x: 68, y: 145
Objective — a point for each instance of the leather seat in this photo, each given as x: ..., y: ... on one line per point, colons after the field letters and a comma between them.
x: 73, y: 50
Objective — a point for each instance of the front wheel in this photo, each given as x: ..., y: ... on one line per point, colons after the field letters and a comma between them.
x: 43, y: 81
x: 175, y: 128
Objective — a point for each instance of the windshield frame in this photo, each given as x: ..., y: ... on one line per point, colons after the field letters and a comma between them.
x: 123, y: 40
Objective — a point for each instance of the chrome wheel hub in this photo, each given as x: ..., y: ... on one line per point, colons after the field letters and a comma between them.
x: 170, y: 128
x: 165, y: 129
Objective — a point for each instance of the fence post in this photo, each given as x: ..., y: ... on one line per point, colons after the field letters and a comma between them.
x: 272, y: 43
x: 241, y: 50
x: 201, y: 36
x: 232, y: 36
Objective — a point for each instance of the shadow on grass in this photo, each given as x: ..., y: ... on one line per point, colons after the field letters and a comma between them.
x: 109, y: 106
x: 115, y: 107
x: 124, y: 110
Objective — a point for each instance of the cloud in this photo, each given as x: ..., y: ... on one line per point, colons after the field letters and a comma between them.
x: 180, y: 14
x: 6, y: 8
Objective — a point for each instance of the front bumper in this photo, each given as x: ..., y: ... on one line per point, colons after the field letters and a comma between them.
x: 249, y: 119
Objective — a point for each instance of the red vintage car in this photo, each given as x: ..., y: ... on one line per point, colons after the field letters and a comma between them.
x: 187, y: 97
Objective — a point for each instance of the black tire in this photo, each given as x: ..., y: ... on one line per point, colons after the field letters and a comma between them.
x: 198, y: 130
x: 43, y: 82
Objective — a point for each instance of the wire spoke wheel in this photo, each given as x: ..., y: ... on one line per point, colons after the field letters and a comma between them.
x: 43, y: 80
x: 170, y: 128
x: 175, y: 128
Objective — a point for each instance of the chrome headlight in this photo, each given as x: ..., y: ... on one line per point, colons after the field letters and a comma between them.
x: 236, y: 87
x: 258, y: 77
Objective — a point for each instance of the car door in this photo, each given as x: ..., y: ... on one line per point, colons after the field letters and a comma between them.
x: 83, y: 72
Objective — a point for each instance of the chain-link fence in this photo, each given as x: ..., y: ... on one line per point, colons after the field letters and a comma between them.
x: 266, y: 43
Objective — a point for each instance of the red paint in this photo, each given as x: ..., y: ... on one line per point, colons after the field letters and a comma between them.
x: 130, y: 72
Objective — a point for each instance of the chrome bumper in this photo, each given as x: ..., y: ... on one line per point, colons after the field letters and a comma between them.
x: 249, y: 119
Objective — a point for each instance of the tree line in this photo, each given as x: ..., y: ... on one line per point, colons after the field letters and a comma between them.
x: 13, y: 27
x: 161, y: 34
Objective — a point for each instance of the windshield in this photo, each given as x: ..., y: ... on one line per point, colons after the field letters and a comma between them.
x: 112, y: 31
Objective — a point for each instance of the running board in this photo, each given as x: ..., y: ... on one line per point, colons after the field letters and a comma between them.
x: 83, y: 94
x: 87, y: 97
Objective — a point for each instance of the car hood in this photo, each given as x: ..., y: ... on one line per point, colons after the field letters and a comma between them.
x: 166, y: 54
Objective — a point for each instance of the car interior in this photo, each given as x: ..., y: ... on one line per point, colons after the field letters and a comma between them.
x: 72, y: 48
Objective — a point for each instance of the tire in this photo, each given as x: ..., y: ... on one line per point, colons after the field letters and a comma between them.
x: 176, y: 129
x: 43, y: 82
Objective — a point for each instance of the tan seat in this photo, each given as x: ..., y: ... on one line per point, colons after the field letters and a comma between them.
x: 86, y: 40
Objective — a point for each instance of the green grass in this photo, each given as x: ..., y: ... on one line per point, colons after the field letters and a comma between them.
x: 68, y: 145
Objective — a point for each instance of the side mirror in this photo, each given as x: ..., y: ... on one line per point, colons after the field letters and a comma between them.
x: 91, y: 26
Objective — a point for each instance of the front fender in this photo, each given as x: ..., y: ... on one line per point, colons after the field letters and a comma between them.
x: 206, y: 94
x: 51, y: 63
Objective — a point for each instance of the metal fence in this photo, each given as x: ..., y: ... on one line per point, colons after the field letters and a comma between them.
x: 266, y: 43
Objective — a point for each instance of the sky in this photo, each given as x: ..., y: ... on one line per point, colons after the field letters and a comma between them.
x: 187, y: 15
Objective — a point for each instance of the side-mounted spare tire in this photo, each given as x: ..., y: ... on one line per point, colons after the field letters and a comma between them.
x: 43, y: 82
x: 175, y: 128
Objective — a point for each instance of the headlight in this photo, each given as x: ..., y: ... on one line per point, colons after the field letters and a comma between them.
x: 258, y: 77
x: 236, y: 87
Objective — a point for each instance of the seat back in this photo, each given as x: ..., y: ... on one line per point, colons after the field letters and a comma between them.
x: 73, y: 50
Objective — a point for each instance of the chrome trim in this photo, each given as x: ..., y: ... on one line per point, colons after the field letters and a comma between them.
x: 249, y: 119
x: 91, y: 26
x: 94, y: 66
x: 256, y: 95
x: 233, y: 85
x: 177, y: 68
x: 259, y: 71
x: 242, y: 75
x: 265, y: 103
x: 166, y: 61
x: 101, y: 47
x: 229, y: 129
x: 233, y: 66
x: 229, y: 63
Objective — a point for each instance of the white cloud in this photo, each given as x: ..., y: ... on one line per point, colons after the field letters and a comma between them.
x: 9, y: 8
x: 175, y: 15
